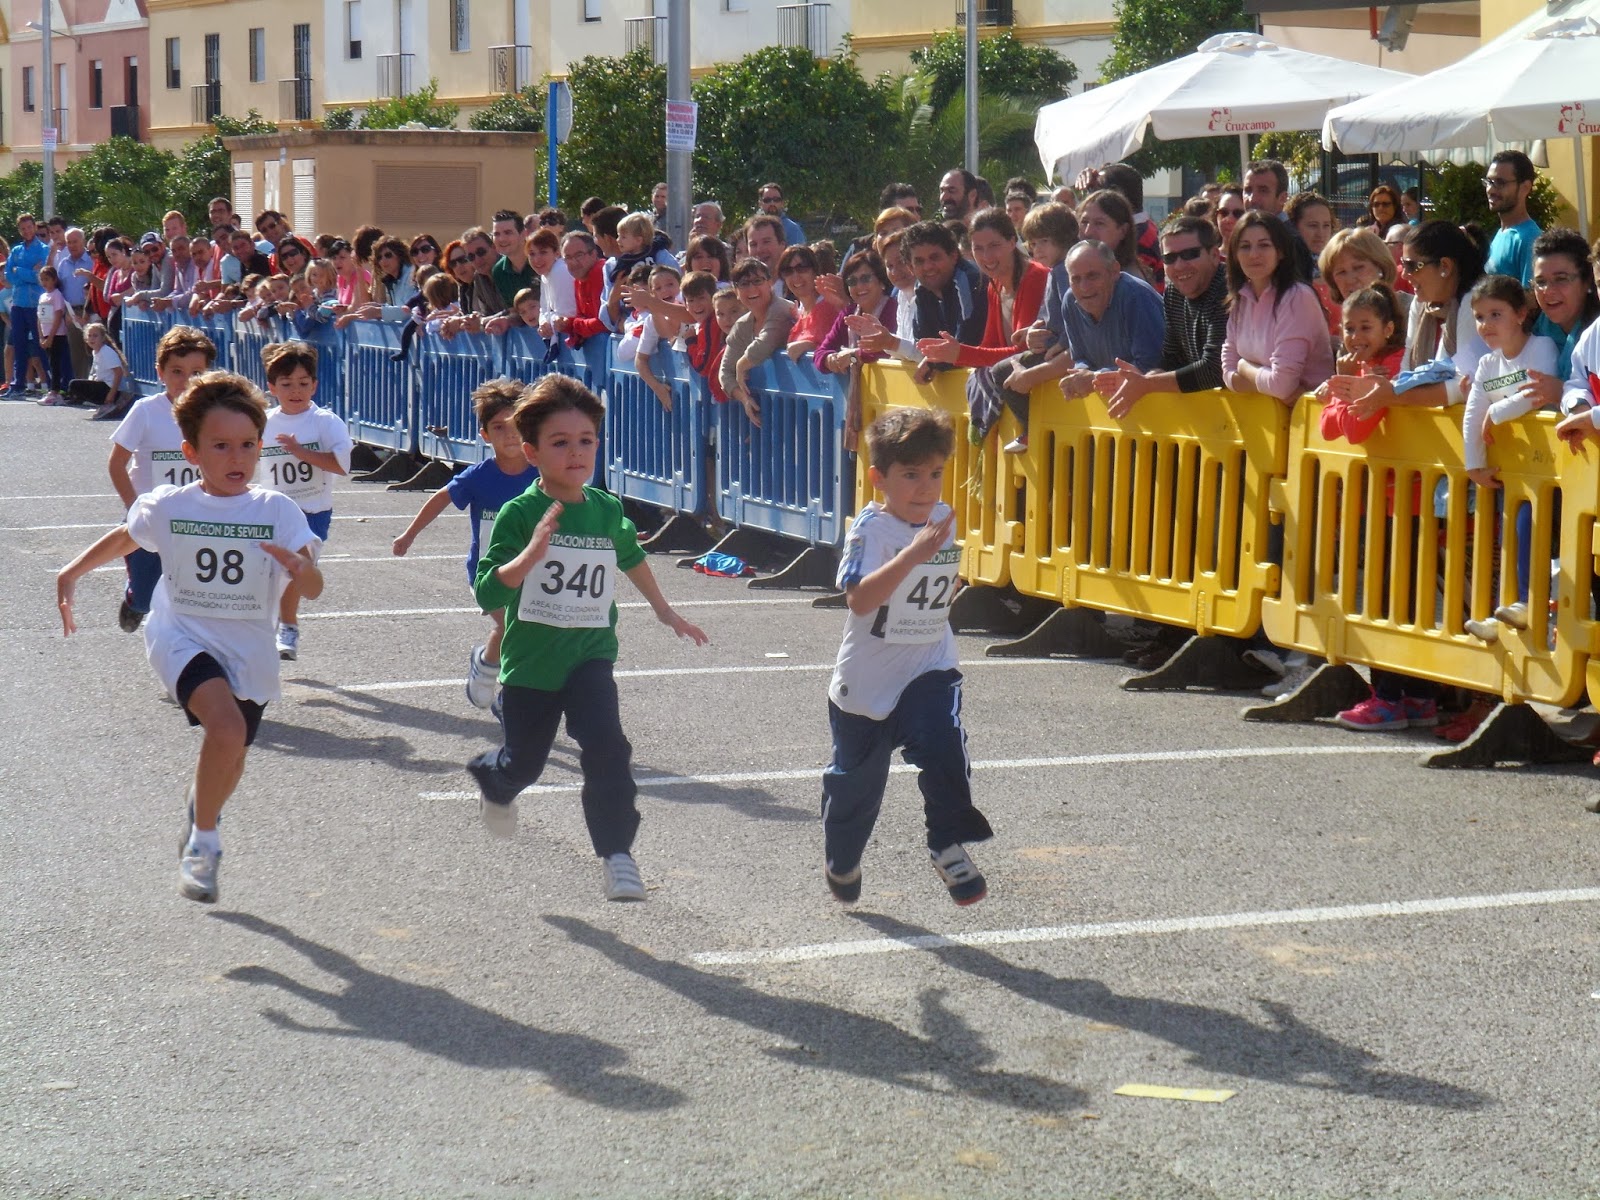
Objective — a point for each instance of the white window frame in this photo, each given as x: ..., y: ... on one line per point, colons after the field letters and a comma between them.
x: 257, y: 40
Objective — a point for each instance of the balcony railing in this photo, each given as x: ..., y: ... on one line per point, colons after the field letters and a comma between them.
x: 990, y: 12
x: 294, y: 99
x: 394, y: 75
x: 805, y: 26
x: 207, y: 101
x: 125, y: 121
x: 648, y: 31
x: 510, y: 68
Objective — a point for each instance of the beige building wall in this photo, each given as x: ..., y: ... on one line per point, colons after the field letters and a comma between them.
x: 174, y: 115
x: 408, y: 182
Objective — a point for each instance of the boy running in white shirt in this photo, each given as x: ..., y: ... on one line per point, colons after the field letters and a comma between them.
x: 895, y: 683
x: 226, y: 548
x: 147, y: 451
x: 304, y: 447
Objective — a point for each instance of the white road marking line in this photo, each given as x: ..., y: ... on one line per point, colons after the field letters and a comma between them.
x: 113, y: 524
x: 428, y: 612
x: 995, y: 764
x: 646, y: 673
x: 1116, y: 929
x: 67, y: 496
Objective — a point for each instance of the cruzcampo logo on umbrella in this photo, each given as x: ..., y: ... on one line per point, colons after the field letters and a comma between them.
x: 1222, y: 122
x: 1574, y: 122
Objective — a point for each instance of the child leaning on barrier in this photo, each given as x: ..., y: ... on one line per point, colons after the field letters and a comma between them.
x: 1503, y: 312
x: 895, y: 683
x: 483, y: 490
x: 658, y: 324
x: 1374, y: 344
x: 552, y: 565
x: 303, y: 447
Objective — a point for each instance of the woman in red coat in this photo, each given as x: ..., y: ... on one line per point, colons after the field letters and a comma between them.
x: 1016, y: 294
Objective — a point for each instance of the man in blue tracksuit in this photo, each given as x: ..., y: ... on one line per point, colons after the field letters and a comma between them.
x: 22, y: 274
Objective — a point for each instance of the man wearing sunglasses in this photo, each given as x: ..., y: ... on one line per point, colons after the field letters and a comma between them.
x: 1196, y: 313
x: 479, y: 246
x: 1508, y: 184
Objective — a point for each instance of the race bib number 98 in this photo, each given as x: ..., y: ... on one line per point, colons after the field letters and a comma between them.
x: 919, y: 610
x: 572, y: 585
x: 218, y: 570
x: 283, y: 472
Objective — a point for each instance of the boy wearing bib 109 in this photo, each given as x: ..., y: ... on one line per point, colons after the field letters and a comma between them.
x: 552, y: 564
x: 895, y: 683
x: 226, y: 548
x: 304, y: 447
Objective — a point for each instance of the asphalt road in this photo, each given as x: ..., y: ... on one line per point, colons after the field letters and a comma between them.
x: 388, y: 1003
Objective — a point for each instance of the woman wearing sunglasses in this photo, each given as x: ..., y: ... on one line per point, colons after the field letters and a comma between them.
x: 866, y: 283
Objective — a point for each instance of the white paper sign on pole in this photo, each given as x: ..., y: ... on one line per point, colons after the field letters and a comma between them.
x: 47, y: 139
x: 682, y: 118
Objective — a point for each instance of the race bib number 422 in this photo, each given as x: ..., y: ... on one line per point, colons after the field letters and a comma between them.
x: 572, y: 585
x: 919, y: 610
x: 219, y: 570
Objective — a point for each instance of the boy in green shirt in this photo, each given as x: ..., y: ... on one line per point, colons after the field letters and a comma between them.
x: 552, y: 565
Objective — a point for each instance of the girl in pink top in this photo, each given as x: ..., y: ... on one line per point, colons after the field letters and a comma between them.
x: 798, y: 270
x: 1277, y: 341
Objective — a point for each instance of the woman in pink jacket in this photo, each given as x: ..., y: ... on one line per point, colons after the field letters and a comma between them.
x: 1277, y: 341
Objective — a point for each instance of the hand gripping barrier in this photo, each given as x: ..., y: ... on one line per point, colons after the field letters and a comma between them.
x: 379, y: 389
x: 1363, y: 586
x: 1162, y: 514
x: 141, y: 330
x: 450, y: 370
x: 981, y: 487
x: 652, y: 455
x: 788, y: 477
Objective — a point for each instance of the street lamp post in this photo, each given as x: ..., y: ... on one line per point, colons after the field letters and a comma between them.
x: 47, y: 94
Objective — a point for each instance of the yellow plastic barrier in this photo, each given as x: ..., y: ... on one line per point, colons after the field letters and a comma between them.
x: 979, y: 486
x: 1163, y: 514
x: 1363, y: 586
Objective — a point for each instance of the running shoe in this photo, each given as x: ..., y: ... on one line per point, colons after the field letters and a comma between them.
x: 197, y: 875
x: 960, y: 875
x: 1420, y: 714
x: 128, y: 617
x: 1017, y: 445
x: 622, y: 878
x: 288, y: 642
x: 497, y: 804
x: 1514, y: 615
x: 1484, y: 631
x: 481, y: 680
x: 846, y: 888
x: 1374, y: 714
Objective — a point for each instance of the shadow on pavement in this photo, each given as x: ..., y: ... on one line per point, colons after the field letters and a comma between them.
x: 837, y: 1039
x: 1285, y: 1050
x: 430, y: 1019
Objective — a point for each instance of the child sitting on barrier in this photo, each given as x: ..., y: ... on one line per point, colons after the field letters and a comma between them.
x: 633, y: 321
x: 482, y: 490
x: 1374, y: 344
x: 303, y: 448
x: 659, y: 323
x: 896, y: 682
x: 1503, y: 312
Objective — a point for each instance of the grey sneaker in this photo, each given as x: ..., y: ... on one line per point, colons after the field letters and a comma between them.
x: 288, y: 642
x: 497, y: 803
x: 1514, y: 614
x: 622, y: 878
x: 482, y: 679
x: 1484, y: 631
x: 197, y: 875
x: 959, y: 874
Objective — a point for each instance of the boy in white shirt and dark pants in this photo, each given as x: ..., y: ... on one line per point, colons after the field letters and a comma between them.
x: 895, y: 683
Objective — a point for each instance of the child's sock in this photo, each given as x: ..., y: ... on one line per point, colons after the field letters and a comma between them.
x: 206, y: 841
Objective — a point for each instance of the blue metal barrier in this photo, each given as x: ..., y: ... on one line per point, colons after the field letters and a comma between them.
x: 250, y: 338
x: 380, y: 393
x: 790, y: 476
x: 652, y: 455
x: 141, y: 330
x: 329, y: 343
x: 450, y: 370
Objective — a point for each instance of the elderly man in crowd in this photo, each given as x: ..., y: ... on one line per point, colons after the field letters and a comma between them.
x: 707, y: 220
x: 75, y: 267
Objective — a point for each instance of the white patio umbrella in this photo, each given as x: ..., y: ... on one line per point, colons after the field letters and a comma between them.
x: 1235, y: 83
x: 1539, y: 79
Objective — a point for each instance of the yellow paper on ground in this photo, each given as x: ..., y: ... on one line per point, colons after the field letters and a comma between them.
x: 1152, y: 1091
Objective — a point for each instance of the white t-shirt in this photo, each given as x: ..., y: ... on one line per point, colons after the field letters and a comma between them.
x: 315, y: 429
x: 558, y: 296
x: 909, y: 636
x: 152, y: 435
x: 1495, y: 385
x: 219, y: 589
x: 107, y: 362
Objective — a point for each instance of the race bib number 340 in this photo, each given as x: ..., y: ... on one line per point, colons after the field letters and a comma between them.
x: 919, y: 610
x: 219, y: 570
x: 572, y: 585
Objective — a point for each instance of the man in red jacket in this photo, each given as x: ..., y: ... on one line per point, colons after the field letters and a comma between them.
x: 582, y: 256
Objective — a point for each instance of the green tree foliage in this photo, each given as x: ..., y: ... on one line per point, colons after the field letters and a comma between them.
x: 120, y: 182
x: 1006, y: 67
x: 935, y: 143
x: 519, y: 112
x: 1299, y: 151
x: 339, y: 116
x: 616, y: 149
x: 22, y: 191
x: 421, y: 107
x: 815, y: 126
x: 1151, y: 32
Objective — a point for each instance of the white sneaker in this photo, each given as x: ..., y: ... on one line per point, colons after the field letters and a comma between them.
x: 1514, y: 615
x: 1297, y: 674
x: 482, y: 679
x: 1484, y: 631
x: 197, y: 875
x: 1017, y: 445
x: 1266, y: 660
x: 959, y: 874
x: 622, y: 878
x: 288, y: 642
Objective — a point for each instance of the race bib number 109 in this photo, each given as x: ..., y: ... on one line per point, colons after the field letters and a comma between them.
x: 219, y: 570
x: 283, y: 472
x: 572, y: 585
